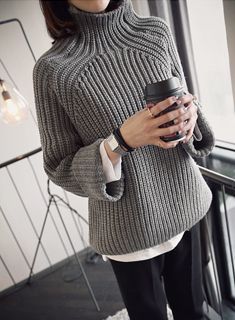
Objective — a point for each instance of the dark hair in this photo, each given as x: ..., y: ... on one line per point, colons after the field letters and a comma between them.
x: 59, y: 22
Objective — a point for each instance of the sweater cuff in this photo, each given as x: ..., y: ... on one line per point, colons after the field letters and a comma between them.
x: 88, y: 171
x: 203, y: 140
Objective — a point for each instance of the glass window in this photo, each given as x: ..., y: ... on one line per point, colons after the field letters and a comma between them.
x: 210, y: 41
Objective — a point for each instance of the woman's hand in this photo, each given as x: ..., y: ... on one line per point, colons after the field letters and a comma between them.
x: 190, y: 116
x: 143, y: 129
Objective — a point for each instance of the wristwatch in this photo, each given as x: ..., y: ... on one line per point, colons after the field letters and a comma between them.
x: 115, y: 146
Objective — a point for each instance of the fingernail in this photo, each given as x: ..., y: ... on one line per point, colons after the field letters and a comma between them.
x: 178, y: 101
x: 176, y: 121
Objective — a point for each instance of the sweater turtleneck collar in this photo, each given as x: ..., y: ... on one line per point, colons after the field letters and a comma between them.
x: 106, y: 26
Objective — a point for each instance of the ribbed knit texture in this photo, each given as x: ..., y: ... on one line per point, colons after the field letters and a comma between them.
x: 87, y: 85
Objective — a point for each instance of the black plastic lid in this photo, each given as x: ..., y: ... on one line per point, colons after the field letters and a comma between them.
x: 161, y: 88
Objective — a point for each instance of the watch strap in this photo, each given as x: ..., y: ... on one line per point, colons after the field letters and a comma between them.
x: 121, y: 141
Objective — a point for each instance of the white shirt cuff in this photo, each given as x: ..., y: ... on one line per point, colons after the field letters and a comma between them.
x: 112, y: 172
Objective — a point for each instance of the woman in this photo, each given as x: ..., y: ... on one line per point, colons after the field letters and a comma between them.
x: 145, y: 196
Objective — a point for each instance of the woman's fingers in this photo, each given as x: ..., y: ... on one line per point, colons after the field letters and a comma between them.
x: 188, y: 135
x: 162, y: 105
x: 191, y: 112
x: 184, y: 119
x: 170, y: 130
x: 187, y: 99
x: 189, y: 128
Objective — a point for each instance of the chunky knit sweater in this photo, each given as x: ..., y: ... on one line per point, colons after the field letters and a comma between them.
x: 88, y: 84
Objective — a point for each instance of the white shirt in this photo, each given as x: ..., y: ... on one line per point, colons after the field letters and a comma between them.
x: 113, y: 173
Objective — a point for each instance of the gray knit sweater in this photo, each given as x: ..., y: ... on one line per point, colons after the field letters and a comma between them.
x: 84, y: 87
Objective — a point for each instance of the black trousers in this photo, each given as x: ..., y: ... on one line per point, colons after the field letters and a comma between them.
x: 174, y: 277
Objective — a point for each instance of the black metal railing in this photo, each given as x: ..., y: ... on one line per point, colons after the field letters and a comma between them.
x: 39, y: 235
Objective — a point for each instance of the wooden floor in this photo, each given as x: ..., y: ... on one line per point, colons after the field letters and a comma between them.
x: 56, y: 297
x: 63, y: 295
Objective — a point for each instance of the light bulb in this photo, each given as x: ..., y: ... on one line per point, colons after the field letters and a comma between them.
x: 13, y: 106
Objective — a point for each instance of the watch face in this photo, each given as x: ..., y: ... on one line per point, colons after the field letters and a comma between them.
x: 114, y: 145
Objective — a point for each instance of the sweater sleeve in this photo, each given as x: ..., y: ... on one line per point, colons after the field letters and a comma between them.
x: 203, y: 139
x: 66, y: 161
